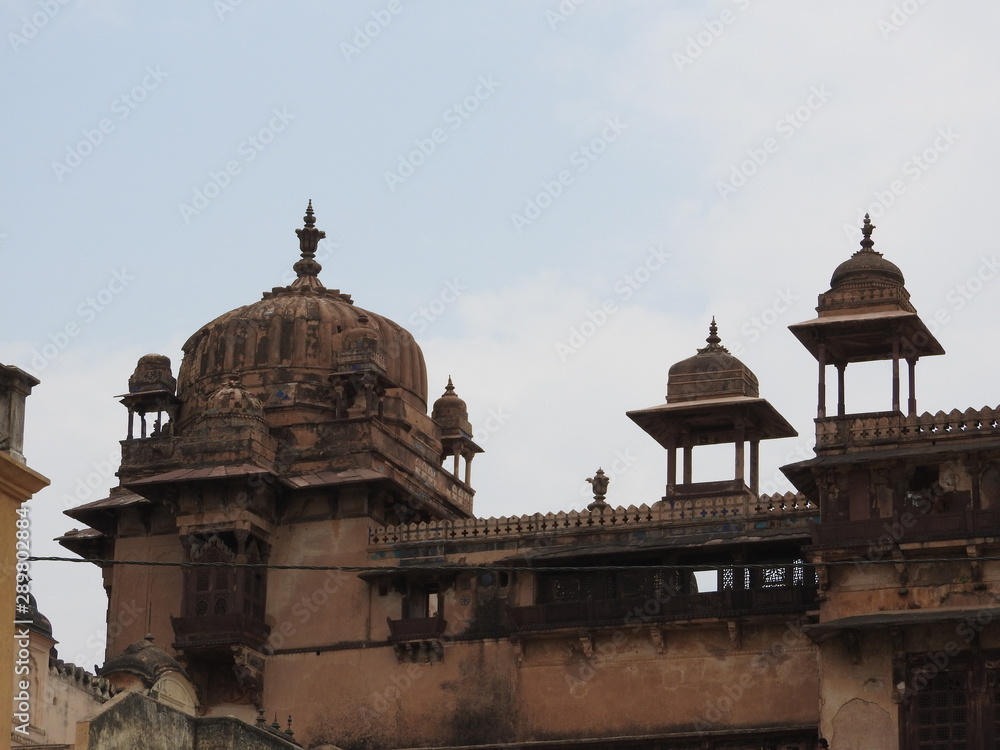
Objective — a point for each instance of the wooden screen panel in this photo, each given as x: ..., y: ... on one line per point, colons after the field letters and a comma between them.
x: 942, y: 713
x: 954, y: 707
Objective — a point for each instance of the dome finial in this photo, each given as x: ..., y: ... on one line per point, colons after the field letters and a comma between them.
x: 450, y: 388
x: 713, y: 333
x: 309, y: 237
x: 713, y: 340
x: 866, y: 229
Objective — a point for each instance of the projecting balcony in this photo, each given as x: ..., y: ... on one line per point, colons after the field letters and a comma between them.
x: 418, y: 639
x: 209, y: 632
x: 416, y: 628
x: 908, y: 526
x: 632, y: 611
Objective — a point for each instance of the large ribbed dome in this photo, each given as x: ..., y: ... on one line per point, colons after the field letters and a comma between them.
x: 285, y: 346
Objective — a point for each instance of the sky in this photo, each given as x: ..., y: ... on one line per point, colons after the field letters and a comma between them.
x: 553, y: 196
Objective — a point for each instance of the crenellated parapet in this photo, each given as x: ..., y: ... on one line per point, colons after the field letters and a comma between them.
x: 680, y: 516
x: 857, y: 432
x: 100, y: 688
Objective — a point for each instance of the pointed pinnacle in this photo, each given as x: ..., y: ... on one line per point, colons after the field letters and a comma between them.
x: 866, y: 229
x: 713, y: 333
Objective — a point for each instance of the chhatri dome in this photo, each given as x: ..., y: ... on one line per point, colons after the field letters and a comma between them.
x: 865, y: 282
x: 866, y: 267
x: 711, y: 373
x: 284, y: 346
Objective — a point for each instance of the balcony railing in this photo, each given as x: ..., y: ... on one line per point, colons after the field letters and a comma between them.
x: 416, y: 628
x: 858, y: 431
x: 908, y: 526
x: 632, y: 611
x: 219, y: 630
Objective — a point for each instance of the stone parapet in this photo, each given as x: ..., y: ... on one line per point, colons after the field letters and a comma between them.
x: 78, y: 677
x: 680, y: 515
x: 855, y: 432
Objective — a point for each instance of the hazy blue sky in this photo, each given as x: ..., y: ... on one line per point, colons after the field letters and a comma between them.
x: 554, y: 197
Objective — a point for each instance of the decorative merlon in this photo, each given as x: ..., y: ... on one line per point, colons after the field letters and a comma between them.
x: 99, y: 687
x: 863, y: 429
x: 682, y: 515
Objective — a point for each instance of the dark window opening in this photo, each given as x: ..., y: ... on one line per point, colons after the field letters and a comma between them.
x: 424, y: 600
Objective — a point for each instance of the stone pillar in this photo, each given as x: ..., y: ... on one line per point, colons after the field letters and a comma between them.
x: 895, y: 375
x: 821, y: 396
x: 15, y: 385
x: 911, y: 405
x: 841, y: 404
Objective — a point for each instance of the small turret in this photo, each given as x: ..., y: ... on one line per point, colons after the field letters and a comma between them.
x: 712, y: 398
x: 452, y: 416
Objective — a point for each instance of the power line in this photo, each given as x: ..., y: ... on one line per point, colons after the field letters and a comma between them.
x: 493, y: 567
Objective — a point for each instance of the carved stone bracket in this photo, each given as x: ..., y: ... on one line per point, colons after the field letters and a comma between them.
x: 823, y: 577
x: 735, y: 634
x: 419, y: 651
x: 976, y: 566
x: 902, y: 573
x: 896, y: 639
x: 656, y: 634
x: 853, y: 644
x: 248, y: 666
x: 518, y: 645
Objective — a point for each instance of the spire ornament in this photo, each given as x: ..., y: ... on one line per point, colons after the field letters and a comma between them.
x: 600, y: 484
x: 867, y: 243
x: 309, y: 237
x: 713, y: 340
